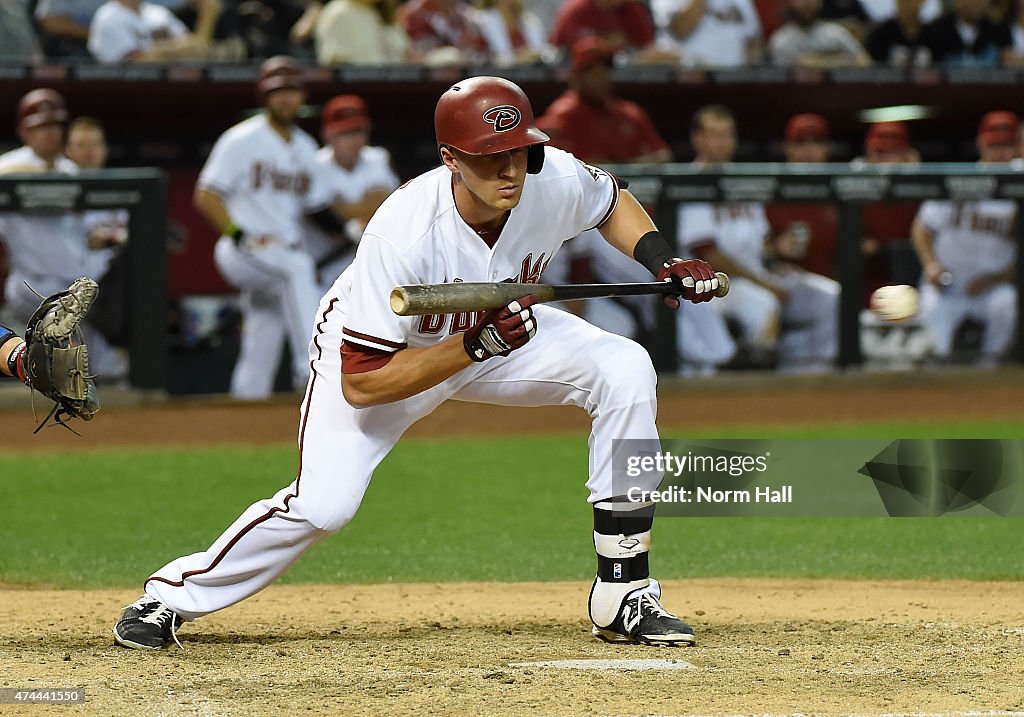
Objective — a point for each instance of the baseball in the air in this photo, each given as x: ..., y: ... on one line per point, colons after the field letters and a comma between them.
x: 894, y: 303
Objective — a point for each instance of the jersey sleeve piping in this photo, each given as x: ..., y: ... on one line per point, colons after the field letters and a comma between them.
x: 614, y: 203
x: 373, y: 342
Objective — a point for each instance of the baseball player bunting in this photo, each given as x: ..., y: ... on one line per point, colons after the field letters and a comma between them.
x: 500, y: 205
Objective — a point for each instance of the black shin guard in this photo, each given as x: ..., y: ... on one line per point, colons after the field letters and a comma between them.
x: 622, y: 541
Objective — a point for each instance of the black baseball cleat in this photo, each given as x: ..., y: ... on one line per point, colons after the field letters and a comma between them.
x: 147, y: 624
x: 642, y: 619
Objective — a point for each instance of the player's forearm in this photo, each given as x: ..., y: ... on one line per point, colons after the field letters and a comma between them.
x: 923, y: 242
x: 683, y: 23
x: 64, y: 26
x: 207, y: 12
x: 212, y: 207
x: 365, y: 207
x: 627, y: 224
x: 409, y: 372
x: 10, y: 343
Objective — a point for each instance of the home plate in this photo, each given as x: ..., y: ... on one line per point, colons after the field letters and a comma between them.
x: 648, y: 664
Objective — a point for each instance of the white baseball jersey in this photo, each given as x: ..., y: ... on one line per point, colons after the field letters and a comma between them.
x: 418, y: 237
x: 268, y: 184
x: 721, y: 36
x: 739, y: 230
x: 118, y: 33
x: 372, y: 170
x: 47, y: 249
x: 971, y: 238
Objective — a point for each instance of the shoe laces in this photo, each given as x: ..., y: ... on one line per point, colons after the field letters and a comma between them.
x: 647, y: 604
x: 156, y: 613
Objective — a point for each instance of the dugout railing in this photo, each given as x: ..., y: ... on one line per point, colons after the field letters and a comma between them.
x: 143, y: 193
x: 665, y: 186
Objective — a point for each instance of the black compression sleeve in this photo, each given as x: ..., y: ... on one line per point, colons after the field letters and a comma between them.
x: 653, y: 251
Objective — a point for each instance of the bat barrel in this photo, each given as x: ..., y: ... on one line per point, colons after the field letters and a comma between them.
x: 420, y: 299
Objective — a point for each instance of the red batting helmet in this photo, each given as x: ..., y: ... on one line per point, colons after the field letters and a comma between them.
x: 41, y: 107
x: 486, y: 115
x: 277, y: 73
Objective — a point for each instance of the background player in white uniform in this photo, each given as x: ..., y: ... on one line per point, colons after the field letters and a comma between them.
x: 49, y: 250
x: 732, y: 236
x: 359, y: 178
x: 968, y: 252
x: 498, y: 209
x: 258, y: 183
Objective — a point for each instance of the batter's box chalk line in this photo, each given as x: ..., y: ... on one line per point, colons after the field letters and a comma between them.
x: 954, y: 713
x: 598, y: 664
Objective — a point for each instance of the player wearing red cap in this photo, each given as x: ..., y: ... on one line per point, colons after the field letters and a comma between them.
x: 968, y: 251
x: 358, y: 177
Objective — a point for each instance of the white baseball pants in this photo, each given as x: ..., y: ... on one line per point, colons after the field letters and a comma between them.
x: 279, y: 299
x: 569, y: 362
x: 943, y: 311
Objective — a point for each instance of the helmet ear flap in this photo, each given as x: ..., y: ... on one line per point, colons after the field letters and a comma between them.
x: 534, y: 158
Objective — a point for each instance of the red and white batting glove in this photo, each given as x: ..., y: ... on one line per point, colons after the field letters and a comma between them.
x: 695, y: 278
x: 499, y: 332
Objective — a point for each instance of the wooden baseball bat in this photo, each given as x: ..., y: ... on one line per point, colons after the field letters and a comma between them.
x: 419, y: 299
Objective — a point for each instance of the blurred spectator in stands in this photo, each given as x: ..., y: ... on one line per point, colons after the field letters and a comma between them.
x: 622, y: 23
x: 967, y: 37
x: 710, y: 33
x: 513, y: 34
x: 968, y: 251
x: 897, y: 41
x: 18, y: 40
x: 64, y: 26
x: 589, y: 121
x: 140, y: 31
x: 276, y: 27
x: 775, y: 306
x: 301, y: 33
x: 442, y: 31
x: 888, y: 255
x: 851, y: 14
x: 881, y: 10
x: 806, y: 234
x: 48, y: 250
x: 359, y: 178
x: 361, y: 32
x: 597, y: 127
x: 808, y: 41
x: 1015, y: 55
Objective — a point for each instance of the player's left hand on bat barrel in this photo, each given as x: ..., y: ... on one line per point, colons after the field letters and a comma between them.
x: 499, y: 332
x: 701, y: 286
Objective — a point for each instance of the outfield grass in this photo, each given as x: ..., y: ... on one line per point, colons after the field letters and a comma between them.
x: 510, y: 509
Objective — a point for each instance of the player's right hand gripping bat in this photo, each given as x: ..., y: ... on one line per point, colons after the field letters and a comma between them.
x: 419, y: 299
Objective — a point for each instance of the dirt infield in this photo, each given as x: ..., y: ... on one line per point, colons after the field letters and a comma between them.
x: 766, y: 647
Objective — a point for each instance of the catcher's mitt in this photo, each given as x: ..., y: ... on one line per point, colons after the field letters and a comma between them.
x: 56, y: 359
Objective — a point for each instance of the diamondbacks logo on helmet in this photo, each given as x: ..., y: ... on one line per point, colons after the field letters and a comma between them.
x: 503, y: 117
